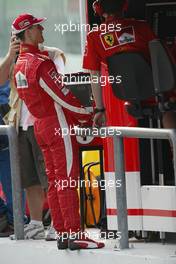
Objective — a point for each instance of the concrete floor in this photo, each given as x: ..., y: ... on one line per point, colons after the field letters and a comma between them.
x: 33, y: 252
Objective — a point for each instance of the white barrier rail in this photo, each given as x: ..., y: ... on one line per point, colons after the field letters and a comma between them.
x: 118, y: 133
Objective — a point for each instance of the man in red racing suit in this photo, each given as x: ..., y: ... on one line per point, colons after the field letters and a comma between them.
x: 57, y: 111
x: 115, y: 35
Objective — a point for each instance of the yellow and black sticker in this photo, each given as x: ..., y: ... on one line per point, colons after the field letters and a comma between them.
x: 109, y: 38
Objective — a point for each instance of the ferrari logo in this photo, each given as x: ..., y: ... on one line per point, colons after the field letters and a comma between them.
x: 109, y: 38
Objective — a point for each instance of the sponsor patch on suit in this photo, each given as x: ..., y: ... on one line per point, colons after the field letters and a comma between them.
x: 117, y: 38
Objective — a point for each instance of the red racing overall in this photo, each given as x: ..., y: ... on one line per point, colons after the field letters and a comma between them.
x: 118, y: 35
x: 115, y: 36
x: 56, y: 110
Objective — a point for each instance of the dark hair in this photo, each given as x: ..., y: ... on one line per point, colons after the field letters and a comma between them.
x: 112, y: 6
x: 20, y: 35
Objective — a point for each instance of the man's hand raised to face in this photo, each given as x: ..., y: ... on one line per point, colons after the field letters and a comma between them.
x: 14, y: 47
x: 9, y: 59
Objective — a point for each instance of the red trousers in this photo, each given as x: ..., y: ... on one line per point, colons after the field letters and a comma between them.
x: 62, y: 168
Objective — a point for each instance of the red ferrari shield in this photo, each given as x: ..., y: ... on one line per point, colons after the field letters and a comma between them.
x: 109, y: 40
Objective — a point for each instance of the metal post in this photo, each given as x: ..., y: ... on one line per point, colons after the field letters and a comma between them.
x: 152, y: 151
x: 122, y: 217
x: 16, y: 183
x: 173, y: 142
x: 82, y: 191
x: 83, y: 21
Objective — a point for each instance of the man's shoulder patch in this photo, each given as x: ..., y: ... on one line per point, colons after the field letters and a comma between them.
x: 116, y: 38
x: 109, y: 40
x: 21, y: 80
x: 126, y: 35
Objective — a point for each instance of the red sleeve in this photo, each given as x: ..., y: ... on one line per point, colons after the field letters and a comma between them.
x: 91, y: 59
x: 49, y: 79
x: 150, y: 35
x: 52, y: 83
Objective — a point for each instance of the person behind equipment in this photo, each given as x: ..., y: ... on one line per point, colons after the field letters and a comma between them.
x: 132, y: 36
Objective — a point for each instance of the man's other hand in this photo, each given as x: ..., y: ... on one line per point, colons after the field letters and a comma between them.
x: 99, y: 119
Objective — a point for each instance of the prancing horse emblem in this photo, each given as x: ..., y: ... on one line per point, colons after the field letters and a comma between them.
x: 109, y: 39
